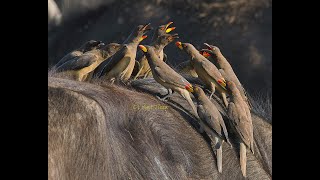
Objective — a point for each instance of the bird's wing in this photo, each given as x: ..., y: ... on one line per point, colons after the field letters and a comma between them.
x: 210, y: 118
x: 170, y: 76
x: 68, y: 57
x: 240, y: 121
x: 212, y: 70
x: 78, y: 63
x: 117, y: 57
x: 97, y: 71
x: 224, y: 75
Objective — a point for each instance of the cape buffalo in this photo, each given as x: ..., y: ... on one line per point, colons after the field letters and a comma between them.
x: 102, y: 131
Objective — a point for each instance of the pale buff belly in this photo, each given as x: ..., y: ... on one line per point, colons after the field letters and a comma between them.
x: 129, y: 69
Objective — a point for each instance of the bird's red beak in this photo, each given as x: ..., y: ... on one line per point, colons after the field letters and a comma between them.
x: 205, y: 54
x: 189, y: 88
x: 179, y: 45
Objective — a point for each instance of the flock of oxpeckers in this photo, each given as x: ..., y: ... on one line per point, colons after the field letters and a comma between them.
x: 116, y: 63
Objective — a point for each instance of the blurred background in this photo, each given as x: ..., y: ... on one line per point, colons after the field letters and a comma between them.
x: 242, y: 29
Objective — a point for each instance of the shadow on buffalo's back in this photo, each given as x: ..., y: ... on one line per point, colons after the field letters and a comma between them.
x: 109, y: 132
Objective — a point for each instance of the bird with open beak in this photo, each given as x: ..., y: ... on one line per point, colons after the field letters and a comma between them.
x: 207, y: 72
x: 167, y: 77
x: 120, y: 66
x: 80, y: 67
x: 144, y: 68
x: 214, y: 54
x: 241, y: 120
x: 210, y: 115
x: 87, y: 46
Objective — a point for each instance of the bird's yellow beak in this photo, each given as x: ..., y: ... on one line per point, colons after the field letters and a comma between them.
x: 169, y: 29
x: 143, y: 37
x: 179, y: 45
x: 222, y: 82
x: 143, y: 48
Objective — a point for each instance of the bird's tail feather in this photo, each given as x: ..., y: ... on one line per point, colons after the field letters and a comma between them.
x: 243, y: 159
x: 219, y: 154
x: 186, y: 95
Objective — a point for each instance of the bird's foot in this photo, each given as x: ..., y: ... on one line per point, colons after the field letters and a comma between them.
x: 163, y: 98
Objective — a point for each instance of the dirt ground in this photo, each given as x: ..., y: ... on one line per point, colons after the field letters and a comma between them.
x: 242, y: 29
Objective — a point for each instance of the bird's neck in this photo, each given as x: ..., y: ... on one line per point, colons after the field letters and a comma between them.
x: 158, y: 46
x: 220, y: 58
x: 132, y: 39
x: 196, y: 57
x: 202, y: 99
x: 134, y: 43
x: 235, y: 96
x: 151, y: 60
x: 155, y: 36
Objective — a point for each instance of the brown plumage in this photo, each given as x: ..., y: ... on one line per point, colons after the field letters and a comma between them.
x: 240, y: 118
x: 211, y: 116
x: 161, y: 42
x: 120, y: 67
x: 144, y: 69
x: 187, y: 68
x: 215, y: 56
x: 167, y: 77
x: 88, y: 46
x: 206, y: 71
x: 80, y: 67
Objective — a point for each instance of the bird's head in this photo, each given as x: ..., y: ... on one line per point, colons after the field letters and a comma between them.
x: 197, y: 91
x: 187, y: 47
x: 165, y: 39
x: 209, y: 50
x: 141, y: 30
x: 111, y: 48
x: 91, y: 45
x: 163, y: 29
x: 149, y: 52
